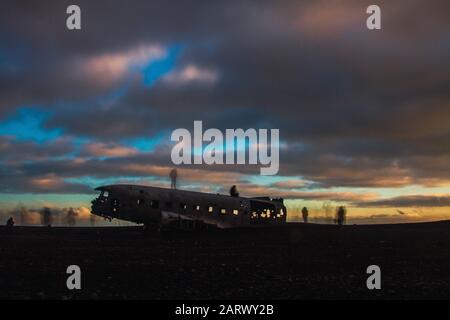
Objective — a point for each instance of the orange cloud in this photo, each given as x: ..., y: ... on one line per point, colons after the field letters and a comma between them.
x: 253, y: 190
x: 191, y: 73
x: 108, y: 68
x: 47, y: 182
x: 109, y: 150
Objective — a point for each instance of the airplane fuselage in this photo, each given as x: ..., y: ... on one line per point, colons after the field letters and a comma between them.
x: 159, y: 206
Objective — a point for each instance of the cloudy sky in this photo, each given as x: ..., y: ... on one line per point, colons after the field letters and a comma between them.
x: 364, y: 116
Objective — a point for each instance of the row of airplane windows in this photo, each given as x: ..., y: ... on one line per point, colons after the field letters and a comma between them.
x: 169, y: 205
x: 267, y: 213
x: 263, y: 213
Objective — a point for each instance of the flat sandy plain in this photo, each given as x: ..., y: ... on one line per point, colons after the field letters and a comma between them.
x: 293, y: 262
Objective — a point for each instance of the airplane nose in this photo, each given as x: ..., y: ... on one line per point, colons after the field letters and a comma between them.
x: 99, y: 207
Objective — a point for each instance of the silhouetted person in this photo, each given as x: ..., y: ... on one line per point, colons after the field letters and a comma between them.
x: 305, y: 214
x: 173, y: 178
x: 341, y: 215
x: 46, y: 217
x: 234, y: 192
x: 10, y: 222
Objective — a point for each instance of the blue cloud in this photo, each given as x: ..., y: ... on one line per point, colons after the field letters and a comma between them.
x: 156, y: 69
x: 147, y: 144
x: 27, y: 124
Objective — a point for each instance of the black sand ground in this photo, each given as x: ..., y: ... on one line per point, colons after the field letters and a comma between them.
x: 295, y: 262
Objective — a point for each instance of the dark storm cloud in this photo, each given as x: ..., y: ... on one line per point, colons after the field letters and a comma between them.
x: 34, y: 38
x: 409, y: 201
x: 49, y: 184
x: 13, y: 151
x: 330, y: 166
x: 367, y: 108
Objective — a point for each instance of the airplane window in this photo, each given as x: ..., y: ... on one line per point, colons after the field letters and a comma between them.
x: 223, y: 211
x: 183, y: 206
x: 197, y: 207
x: 210, y: 209
x: 262, y: 209
x: 154, y: 204
x: 235, y: 212
x: 140, y: 202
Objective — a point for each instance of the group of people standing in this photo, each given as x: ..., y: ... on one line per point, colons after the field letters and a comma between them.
x: 340, y: 218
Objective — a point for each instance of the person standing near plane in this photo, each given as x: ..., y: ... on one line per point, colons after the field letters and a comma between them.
x: 173, y: 178
x: 10, y: 223
x: 341, y: 215
x: 234, y: 192
x: 305, y: 214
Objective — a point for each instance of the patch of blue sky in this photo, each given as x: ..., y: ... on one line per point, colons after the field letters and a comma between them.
x: 147, y: 144
x: 268, y: 180
x: 156, y: 69
x: 92, y: 182
x: 26, y: 124
x: 77, y: 144
x: 238, y: 145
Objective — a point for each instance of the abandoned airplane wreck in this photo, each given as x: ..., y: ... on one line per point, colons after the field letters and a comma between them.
x: 158, y: 207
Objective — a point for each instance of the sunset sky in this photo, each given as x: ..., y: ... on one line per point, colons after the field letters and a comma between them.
x: 364, y: 116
